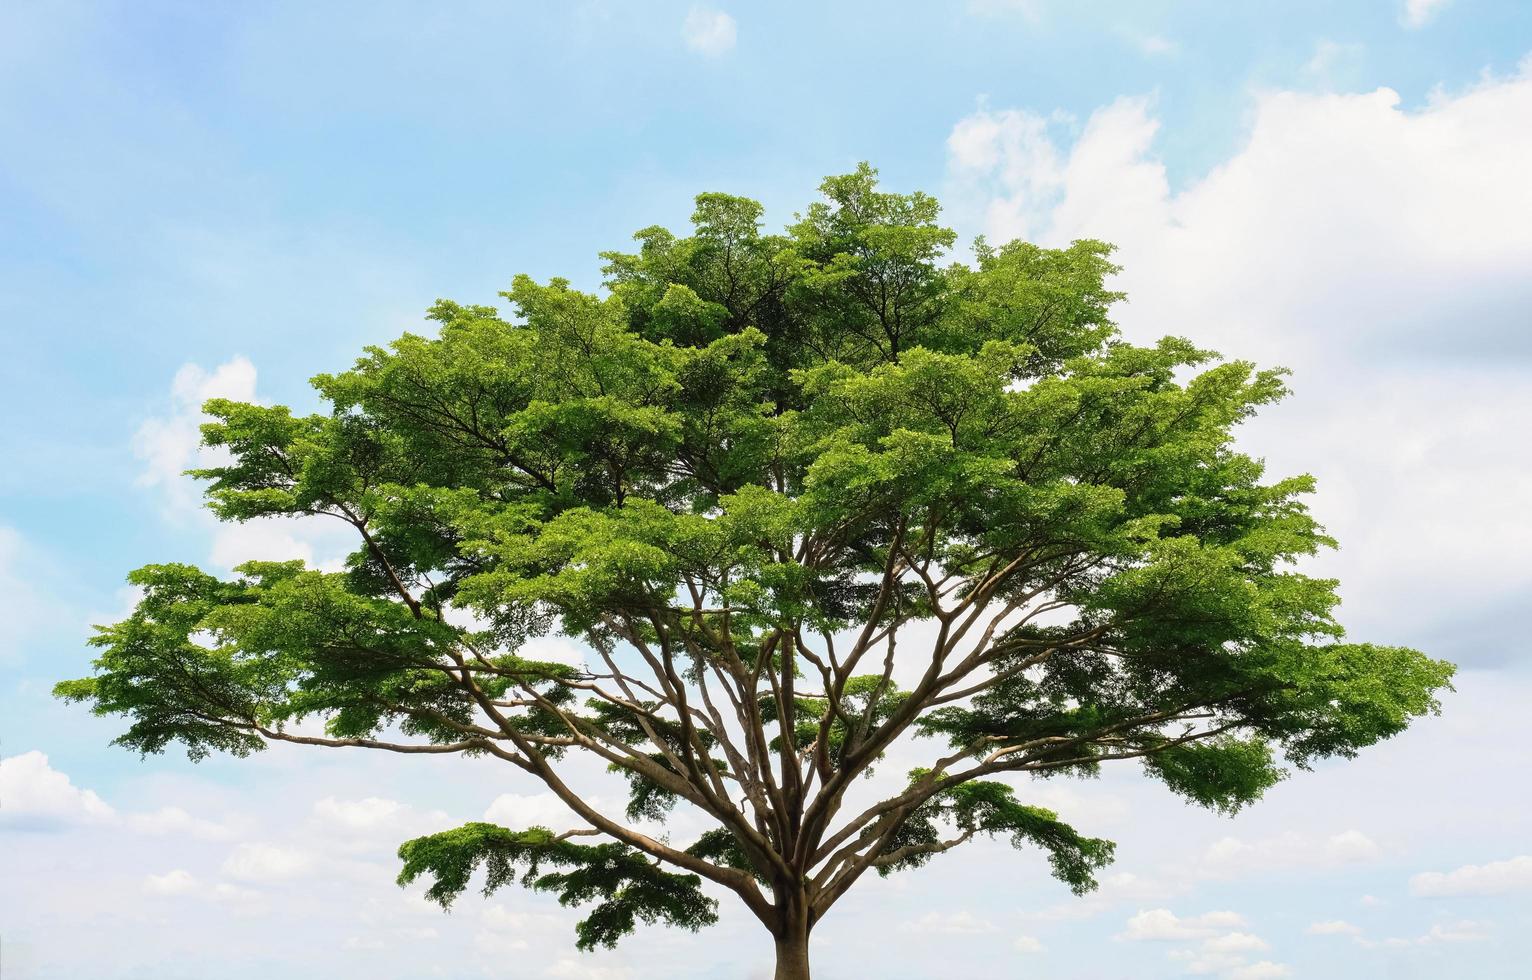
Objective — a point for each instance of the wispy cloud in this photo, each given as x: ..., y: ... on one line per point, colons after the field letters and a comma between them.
x: 1154, y: 45
x: 1334, y: 63
x: 1030, y: 9
x: 1494, y: 878
x: 709, y: 32
x: 1333, y: 927
x: 1415, y: 14
x: 1163, y: 925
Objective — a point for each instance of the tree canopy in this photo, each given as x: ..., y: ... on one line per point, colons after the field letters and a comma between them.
x: 800, y: 496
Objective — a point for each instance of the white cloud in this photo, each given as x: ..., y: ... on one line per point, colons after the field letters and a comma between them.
x: 263, y: 862
x: 373, y: 824
x: 377, y: 816
x: 1115, y: 888
x: 709, y: 32
x: 35, y: 796
x: 1006, y: 168
x: 172, y: 820
x: 125, y: 599
x: 1209, y: 962
x: 1224, y: 948
x: 179, y: 883
x: 1495, y: 878
x: 1028, y: 944
x: 960, y: 923
x: 555, y: 649
x: 1461, y: 931
x: 1080, y: 805
x: 1365, y: 246
x: 1236, y: 942
x: 1333, y: 927
x: 170, y: 444
x: 234, y: 544
x: 363, y: 943
x: 519, y: 811
x: 495, y: 944
x: 234, y: 894
x: 363, y: 815
x: 1417, y: 13
x: 1156, y: 44
x: 515, y: 920
x: 176, y: 882
x: 1231, y: 856
x: 1264, y: 970
x: 1165, y: 925
x: 1364, y: 210
x: 571, y: 969
x: 1333, y: 62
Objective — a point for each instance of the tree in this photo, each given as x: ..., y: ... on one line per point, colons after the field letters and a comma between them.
x: 802, y: 497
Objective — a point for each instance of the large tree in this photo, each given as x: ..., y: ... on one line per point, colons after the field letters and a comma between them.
x: 800, y: 497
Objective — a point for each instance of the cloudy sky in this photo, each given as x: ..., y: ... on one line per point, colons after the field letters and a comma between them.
x: 216, y: 199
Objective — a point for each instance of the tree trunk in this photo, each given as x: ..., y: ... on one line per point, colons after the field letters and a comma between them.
x: 793, y: 955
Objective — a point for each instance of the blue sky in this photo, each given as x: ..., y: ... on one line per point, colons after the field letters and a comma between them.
x: 202, y: 199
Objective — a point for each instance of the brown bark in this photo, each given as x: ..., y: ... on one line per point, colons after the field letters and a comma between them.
x: 795, y: 918
x: 793, y: 955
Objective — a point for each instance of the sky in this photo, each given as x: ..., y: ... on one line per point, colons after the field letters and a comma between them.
x: 219, y: 199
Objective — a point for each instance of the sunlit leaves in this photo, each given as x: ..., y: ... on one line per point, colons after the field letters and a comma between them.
x: 1223, y: 774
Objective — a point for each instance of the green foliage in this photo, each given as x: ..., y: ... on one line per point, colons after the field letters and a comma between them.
x: 1221, y: 774
x: 212, y: 664
x: 722, y: 847
x: 625, y: 887
x: 742, y: 476
x: 990, y: 808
